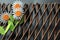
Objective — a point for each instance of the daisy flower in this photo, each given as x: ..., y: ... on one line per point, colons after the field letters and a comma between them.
x: 17, y: 5
x: 18, y: 10
x: 4, y: 17
x: 18, y: 15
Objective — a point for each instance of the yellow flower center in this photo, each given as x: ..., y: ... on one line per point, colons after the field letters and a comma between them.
x: 5, y: 17
x: 17, y: 6
x: 18, y: 13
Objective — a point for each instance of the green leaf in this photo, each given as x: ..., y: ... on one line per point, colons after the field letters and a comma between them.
x: 12, y: 26
x: 8, y: 26
x: 2, y: 30
x: 11, y: 18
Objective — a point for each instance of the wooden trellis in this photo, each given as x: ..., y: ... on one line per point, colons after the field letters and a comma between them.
x: 50, y: 32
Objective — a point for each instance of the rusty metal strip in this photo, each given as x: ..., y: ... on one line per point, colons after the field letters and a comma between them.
x: 53, y: 29
x: 50, y: 24
x: 44, y: 23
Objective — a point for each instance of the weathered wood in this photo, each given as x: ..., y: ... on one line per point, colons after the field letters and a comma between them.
x: 44, y: 23
x: 50, y: 23
x: 53, y: 31
x: 58, y: 33
x: 52, y: 17
x: 37, y: 23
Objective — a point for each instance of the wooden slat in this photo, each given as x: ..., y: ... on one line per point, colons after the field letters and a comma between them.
x: 16, y: 36
x: 58, y: 33
x: 23, y: 25
x: 50, y: 24
x: 37, y: 23
x: 57, y: 15
x: 54, y: 29
x: 29, y: 25
x: 44, y: 23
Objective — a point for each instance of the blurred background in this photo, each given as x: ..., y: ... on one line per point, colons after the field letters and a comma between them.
x: 31, y: 1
